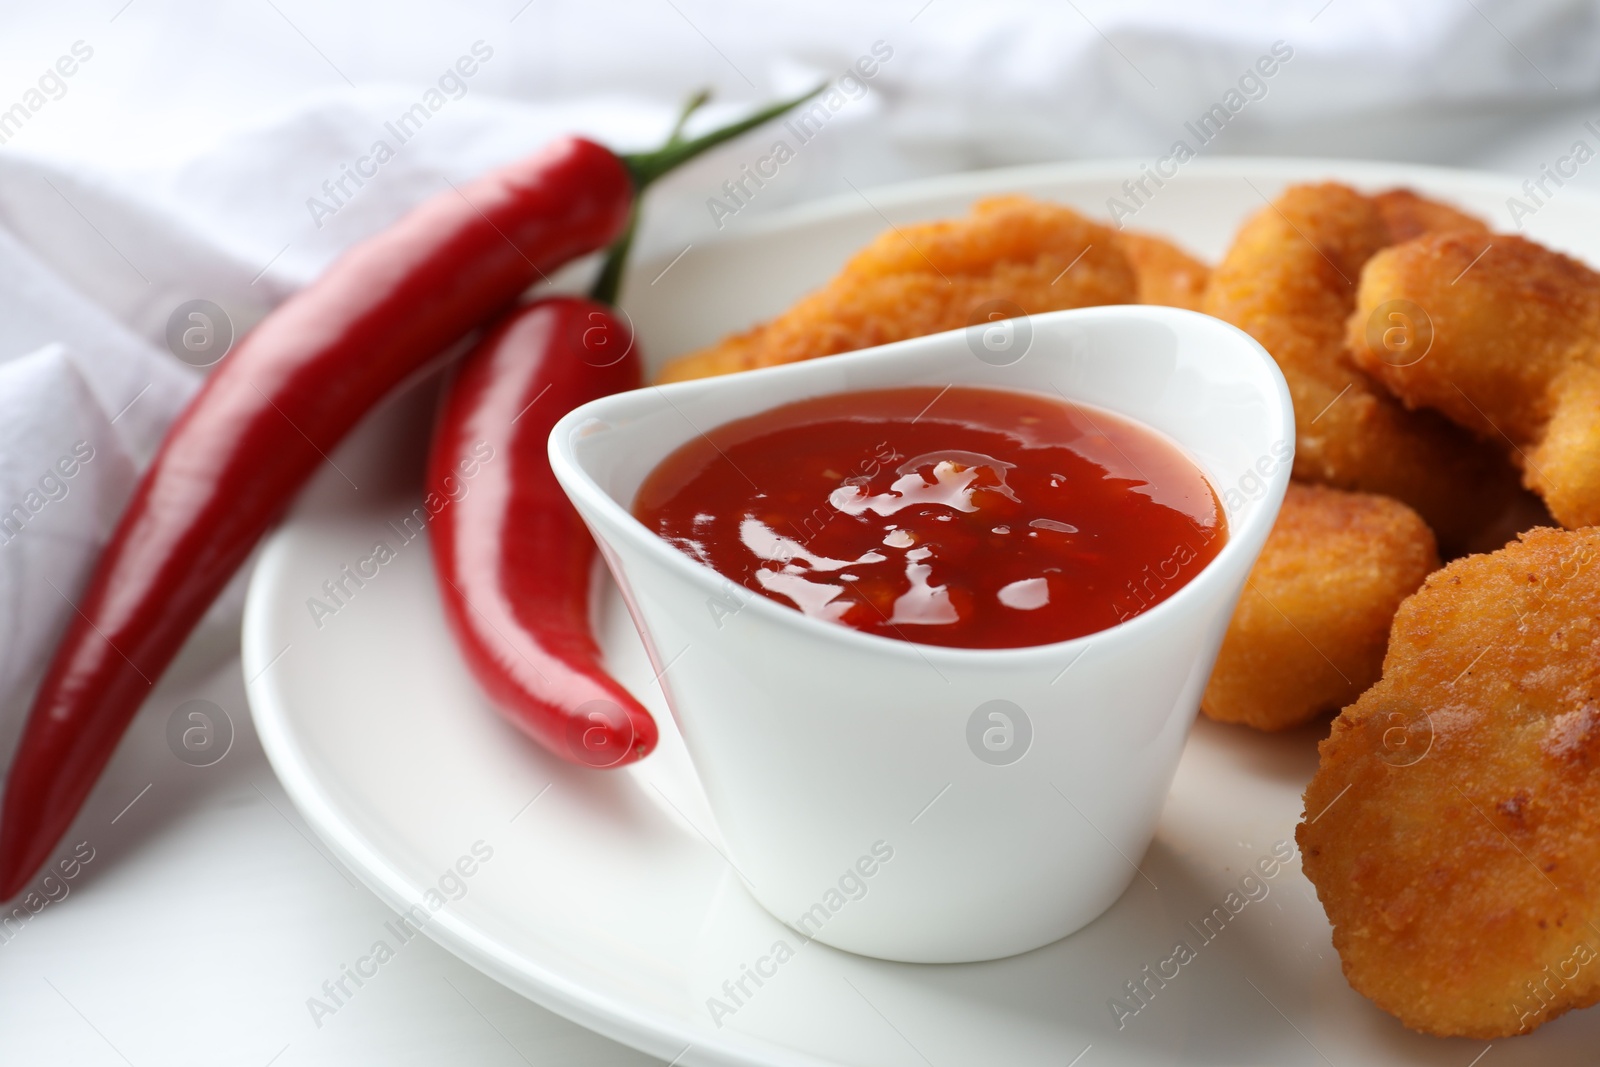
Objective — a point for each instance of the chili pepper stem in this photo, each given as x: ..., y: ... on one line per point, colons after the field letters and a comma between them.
x: 646, y: 167
x: 609, y: 282
x: 695, y: 103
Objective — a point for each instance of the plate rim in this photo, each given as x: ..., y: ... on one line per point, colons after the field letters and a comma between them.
x: 994, y: 181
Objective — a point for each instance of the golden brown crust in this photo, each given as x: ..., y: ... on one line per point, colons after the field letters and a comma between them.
x: 1563, y: 466
x: 1310, y: 629
x: 1290, y: 282
x: 1453, y: 827
x: 933, y: 276
x: 1505, y: 317
x: 1407, y: 215
x: 1511, y: 327
x: 1167, y: 274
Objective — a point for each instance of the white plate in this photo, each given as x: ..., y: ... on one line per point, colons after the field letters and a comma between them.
x: 606, y: 898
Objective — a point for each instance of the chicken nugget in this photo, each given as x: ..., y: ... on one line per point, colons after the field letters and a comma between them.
x: 1290, y: 282
x: 1011, y: 252
x: 1311, y: 626
x: 1502, y: 335
x: 1167, y: 274
x: 1563, y: 466
x: 1407, y: 215
x: 1452, y: 829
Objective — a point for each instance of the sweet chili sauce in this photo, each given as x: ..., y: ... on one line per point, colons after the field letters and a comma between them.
x: 976, y: 518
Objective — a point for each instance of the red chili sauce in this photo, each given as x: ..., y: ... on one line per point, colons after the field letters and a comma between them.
x: 970, y: 517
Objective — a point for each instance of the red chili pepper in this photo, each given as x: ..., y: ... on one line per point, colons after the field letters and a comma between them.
x: 512, y: 555
x: 514, y: 560
x: 268, y: 416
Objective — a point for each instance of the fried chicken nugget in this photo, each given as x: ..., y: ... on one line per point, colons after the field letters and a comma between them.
x: 1290, y: 282
x: 1503, y: 336
x: 935, y: 276
x: 1310, y: 629
x: 1167, y: 274
x: 1453, y: 827
x: 1407, y: 215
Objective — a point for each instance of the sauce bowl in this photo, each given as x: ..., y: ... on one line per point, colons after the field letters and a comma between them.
x: 923, y: 803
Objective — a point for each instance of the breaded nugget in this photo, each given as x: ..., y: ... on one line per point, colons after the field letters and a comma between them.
x: 933, y: 276
x: 1453, y: 827
x: 1290, y: 282
x: 1563, y: 466
x: 1407, y: 215
x: 1503, y: 336
x: 1167, y: 274
x: 1310, y: 629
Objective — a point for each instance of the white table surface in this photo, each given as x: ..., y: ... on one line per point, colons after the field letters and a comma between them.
x: 210, y: 913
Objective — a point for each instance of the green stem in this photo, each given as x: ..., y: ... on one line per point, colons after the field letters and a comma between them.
x: 609, y: 282
x: 695, y: 103
x: 647, y: 167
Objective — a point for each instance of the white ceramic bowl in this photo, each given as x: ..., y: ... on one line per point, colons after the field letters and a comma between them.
x: 922, y: 803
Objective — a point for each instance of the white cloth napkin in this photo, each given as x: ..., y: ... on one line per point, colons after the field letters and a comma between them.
x: 185, y: 157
